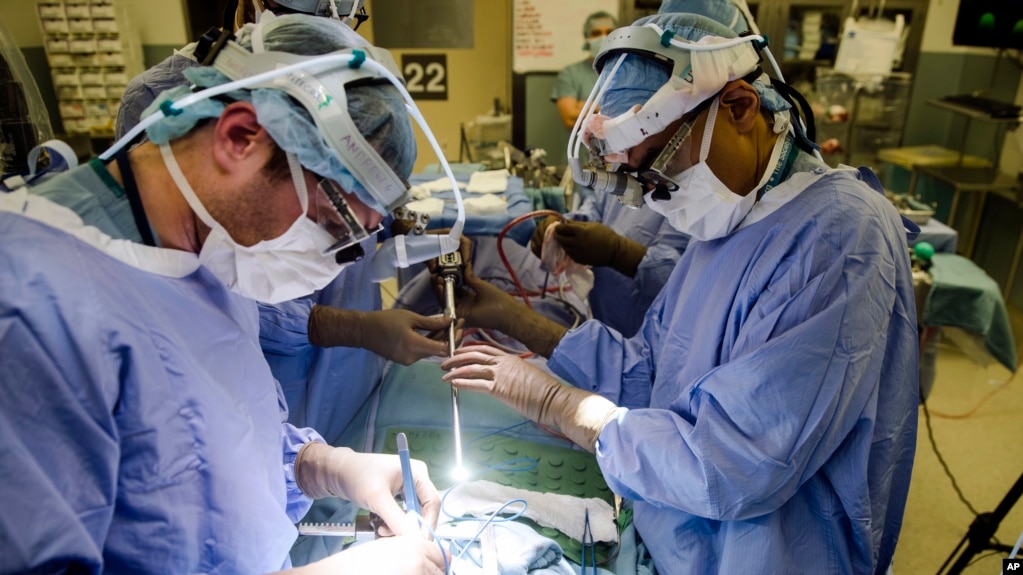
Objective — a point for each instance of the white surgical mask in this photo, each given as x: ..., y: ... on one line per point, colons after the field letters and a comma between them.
x: 289, y: 266
x: 595, y: 44
x: 703, y: 206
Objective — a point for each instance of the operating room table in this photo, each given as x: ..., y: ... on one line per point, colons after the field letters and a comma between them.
x: 501, y: 450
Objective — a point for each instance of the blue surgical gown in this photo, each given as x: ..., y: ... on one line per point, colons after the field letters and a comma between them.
x: 324, y: 387
x: 617, y: 300
x: 142, y: 429
x: 771, y: 394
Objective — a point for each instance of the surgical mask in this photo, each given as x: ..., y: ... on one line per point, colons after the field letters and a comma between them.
x: 595, y: 45
x: 703, y: 206
x: 294, y: 264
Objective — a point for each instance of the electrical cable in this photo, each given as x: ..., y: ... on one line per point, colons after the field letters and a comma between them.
x: 504, y: 258
x: 941, y: 460
x: 982, y: 556
x: 499, y: 431
x: 999, y: 387
x: 492, y: 518
x: 979, y: 404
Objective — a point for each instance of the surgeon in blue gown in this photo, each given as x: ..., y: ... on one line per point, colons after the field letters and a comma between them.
x: 763, y: 419
x: 143, y: 430
x: 328, y: 349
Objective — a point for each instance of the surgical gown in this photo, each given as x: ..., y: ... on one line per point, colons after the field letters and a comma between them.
x: 324, y: 387
x: 142, y: 429
x: 618, y: 300
x: 770, y: 397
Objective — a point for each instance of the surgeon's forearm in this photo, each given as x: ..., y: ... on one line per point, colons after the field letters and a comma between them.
x: 535, y: 331
x: 335, y: 327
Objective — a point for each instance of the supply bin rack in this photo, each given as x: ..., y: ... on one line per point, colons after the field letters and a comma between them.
x: 92, y: 51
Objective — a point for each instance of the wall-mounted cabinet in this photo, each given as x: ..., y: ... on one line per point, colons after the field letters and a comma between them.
x: 92, y: 52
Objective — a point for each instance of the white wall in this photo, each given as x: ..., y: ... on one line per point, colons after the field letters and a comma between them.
x: 157, y: 22
x: 941, y: 20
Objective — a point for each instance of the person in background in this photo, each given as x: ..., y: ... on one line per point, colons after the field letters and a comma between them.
x: 764, y: 417
x: 575, y: 81
x: 143, y: 430
x: 328, y: 350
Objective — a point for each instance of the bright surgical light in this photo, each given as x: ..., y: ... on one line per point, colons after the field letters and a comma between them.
x: 459, y: 474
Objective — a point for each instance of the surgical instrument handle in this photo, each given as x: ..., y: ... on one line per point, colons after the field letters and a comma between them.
x: 411, y: 501
x: 449, y: 267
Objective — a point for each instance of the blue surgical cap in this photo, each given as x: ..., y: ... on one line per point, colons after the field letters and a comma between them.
x: 638, y: 78
x: 377, y: 109
x: 721, y: 11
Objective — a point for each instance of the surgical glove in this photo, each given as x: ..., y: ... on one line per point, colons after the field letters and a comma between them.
x: 390, y: 333
x: 403, y: 555
x: 369, y: 480
x: 484, y: 305
x: 578, y: 414
x: 536, y: 242
x: 594, y: 244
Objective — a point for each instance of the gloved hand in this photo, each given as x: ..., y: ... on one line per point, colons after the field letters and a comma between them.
x: 390, y: 333
x: 369, y: 480
x: 594, y: 244
x: 536, y: 242
x: 484, y: 305
x: 578, y: 414
x: 403, y: 555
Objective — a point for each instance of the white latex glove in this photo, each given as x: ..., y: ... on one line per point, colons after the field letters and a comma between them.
x: 402, y: 555
x: 369, y: 480
x: 578, y: 414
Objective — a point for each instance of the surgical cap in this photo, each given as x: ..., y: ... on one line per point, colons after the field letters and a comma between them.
x: 377, y: 109
x: 721, y: 11
x: 596, y: 18
x: 638, y: 77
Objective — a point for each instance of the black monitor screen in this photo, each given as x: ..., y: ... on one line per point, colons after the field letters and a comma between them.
x: 989, y: 23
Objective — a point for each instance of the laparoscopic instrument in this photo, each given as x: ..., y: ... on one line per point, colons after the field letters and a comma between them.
x: 449, y: 268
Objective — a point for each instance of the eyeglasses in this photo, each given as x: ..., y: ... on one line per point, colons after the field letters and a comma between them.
x: 336, y: 217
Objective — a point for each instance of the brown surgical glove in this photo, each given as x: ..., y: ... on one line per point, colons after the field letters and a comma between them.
x: 578, y: 414
x: 536, y: 242
x: 484, y: 305
x: 389, y: 333
x: 594, y: 244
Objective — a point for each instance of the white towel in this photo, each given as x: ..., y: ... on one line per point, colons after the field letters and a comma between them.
x: 440, y: 185
x: 566, y: 513
x: 419, y: 192
x: 433, y: 207
x: 488, y: 182
x: 505, y: 548
x: 485, y: 205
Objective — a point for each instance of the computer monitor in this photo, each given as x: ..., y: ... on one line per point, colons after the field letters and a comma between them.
x: 989, y: 24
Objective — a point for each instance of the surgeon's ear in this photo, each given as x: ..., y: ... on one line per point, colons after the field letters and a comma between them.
x: 740, y: 104
x: 240, y: 144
